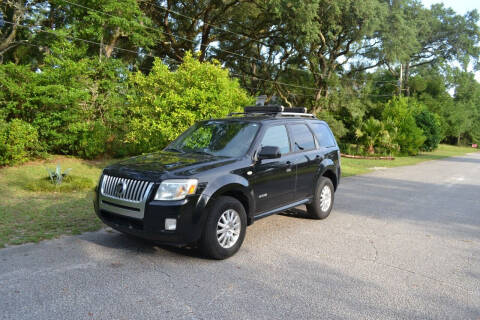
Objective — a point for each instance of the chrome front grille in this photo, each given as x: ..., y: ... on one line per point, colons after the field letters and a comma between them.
x: 125, y: 189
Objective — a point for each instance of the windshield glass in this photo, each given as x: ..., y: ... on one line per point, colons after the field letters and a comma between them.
x: 216, y: 137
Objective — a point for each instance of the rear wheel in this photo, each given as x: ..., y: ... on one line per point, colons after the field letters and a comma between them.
x: 224, y: 229
x: 323, y: 198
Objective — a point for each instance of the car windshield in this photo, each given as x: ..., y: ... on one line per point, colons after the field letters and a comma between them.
x: 217, y: 137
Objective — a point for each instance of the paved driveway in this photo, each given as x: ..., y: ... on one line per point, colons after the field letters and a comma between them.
x: 402, y: 243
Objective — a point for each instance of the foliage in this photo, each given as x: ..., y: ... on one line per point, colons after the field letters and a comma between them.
x: 86, y: 75
x: 399, y: 117
x: 430, y: 124
x: 18, y: 142
x: 165, y: 103
x: 373, y: 134
x: 57, y: 176
x: 75, y: 105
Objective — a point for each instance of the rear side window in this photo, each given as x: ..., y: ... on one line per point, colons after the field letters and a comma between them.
x: 277, y: 137
x: 323, y: 134
x: 302, y: 137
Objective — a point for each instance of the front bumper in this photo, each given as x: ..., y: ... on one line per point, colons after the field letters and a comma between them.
x: 190, y: 214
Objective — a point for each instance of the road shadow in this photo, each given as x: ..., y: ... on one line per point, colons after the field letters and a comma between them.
x: 113, y: 239
x: 447, y: 209
x: 298, y: 212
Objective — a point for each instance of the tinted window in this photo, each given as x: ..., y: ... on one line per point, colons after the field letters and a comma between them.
x: 324, y: 137
x: 302, y: 137
x: 277, y: 137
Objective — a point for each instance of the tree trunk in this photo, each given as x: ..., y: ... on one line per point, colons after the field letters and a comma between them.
x: 400, y: 80
x: 111, y: 45
x: 371, y: 149
x: 204, y: 42
x: 321, y: 94
x: 9, y: 38
x: 407, y: 74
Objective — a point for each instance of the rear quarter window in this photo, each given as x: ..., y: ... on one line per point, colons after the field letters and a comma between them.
x: 323, y: 134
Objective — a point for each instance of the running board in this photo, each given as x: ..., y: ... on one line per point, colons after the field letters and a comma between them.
x: 277, y: 210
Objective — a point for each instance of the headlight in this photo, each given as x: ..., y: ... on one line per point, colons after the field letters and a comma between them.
x: 176, y: 189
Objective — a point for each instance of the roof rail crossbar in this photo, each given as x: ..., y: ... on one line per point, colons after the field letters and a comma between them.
x: 264, y: 109
x: 296, y: 110
x: 275, y: 111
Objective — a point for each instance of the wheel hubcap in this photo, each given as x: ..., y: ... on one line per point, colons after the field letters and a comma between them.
x: 325, y: 198
x: 228, y: 228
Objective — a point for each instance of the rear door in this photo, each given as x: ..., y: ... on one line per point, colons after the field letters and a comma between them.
x: 306, y: 158
x: 274, y: 179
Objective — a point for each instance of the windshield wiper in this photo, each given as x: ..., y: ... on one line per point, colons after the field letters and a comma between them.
x: 202, y: 152
x: 174, y: 150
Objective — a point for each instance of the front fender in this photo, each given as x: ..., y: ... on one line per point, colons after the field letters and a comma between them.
x: 233, y: 185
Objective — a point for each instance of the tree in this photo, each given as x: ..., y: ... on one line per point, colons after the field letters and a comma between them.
x: 12, y: 11
x: 420, y: 36
x: 112, y: 23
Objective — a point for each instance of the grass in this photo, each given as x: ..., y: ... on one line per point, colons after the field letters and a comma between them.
x: 352, y: 167
x: 71, y: 183
x: 48, y: 211
x: 31, y: 209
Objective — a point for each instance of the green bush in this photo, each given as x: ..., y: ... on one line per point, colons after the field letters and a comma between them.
x: 77, y: 107
x: 431, y: 127
x: 18, y: 142
x: 86, y: 107
x: 374, y: 136
x: 399, y: 119
x: 164, y: 103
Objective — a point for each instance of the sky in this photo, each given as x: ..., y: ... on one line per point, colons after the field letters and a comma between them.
x: 460, y: 6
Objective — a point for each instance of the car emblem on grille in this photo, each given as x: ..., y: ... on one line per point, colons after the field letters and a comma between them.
x: 120, y: 188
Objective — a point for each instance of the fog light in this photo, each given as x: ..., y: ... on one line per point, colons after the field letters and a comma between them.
x: 170, y: 224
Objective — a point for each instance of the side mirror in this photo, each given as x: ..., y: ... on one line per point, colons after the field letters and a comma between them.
x: 269, y: 152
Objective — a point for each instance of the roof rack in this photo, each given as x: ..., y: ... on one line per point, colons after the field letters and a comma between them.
x: 277, y: 111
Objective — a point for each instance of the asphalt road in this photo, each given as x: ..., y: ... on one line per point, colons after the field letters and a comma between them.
x: 402, y: 243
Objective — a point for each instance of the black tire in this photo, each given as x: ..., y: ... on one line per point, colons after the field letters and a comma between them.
x: 314, y: 209
x: 209, y: 244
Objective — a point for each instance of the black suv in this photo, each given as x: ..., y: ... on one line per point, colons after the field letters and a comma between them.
x: 220, y: 176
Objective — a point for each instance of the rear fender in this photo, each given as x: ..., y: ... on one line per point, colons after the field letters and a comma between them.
x: 328, y: 168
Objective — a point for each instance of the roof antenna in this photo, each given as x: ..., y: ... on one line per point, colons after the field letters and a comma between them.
x: 261, y: 101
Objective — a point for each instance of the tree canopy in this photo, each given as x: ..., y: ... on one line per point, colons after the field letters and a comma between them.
x: 345, y: 60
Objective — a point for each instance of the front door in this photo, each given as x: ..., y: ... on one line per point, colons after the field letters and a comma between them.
x: 274, y: 179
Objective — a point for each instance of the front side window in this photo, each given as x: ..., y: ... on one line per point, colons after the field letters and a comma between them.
x: 276, y: 136
x: 302, y: 138
x: 217, y: 137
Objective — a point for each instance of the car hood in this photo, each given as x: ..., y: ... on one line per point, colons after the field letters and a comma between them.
x: 164, y: 165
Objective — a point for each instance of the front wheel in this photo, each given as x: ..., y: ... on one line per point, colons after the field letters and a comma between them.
x: 323, y: 197
x: 224, y: 229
